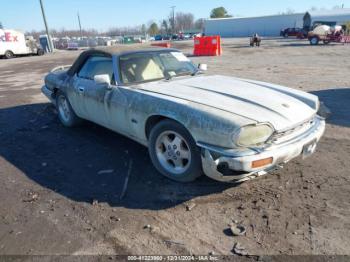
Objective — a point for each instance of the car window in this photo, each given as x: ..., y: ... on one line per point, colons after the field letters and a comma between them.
x: 97, y: 65
x: 139, y: 68
x: 143, y: 67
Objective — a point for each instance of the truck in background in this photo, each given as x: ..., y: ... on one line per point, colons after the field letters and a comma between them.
x: 13, y: 43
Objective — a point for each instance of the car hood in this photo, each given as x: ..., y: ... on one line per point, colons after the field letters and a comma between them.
x: 262, y: 102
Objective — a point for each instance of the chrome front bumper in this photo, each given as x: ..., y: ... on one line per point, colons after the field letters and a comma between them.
x: 238, y: 163
x: 48, y: 93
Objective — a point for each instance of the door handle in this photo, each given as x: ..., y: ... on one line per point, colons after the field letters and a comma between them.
x: 81, y: 89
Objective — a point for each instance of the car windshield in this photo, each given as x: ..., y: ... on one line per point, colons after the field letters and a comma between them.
x: 152, y: 66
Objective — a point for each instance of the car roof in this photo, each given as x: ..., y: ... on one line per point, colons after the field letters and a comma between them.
x: 128, y: 49
x: 114, y: 51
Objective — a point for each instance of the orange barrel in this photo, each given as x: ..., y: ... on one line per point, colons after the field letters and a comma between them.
x: 162, y: 44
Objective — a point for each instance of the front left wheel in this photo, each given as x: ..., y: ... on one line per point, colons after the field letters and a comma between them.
x: 174, y: 152
x: 65, y: 111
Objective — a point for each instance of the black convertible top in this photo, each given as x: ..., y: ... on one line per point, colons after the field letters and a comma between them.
x: 109, y: 51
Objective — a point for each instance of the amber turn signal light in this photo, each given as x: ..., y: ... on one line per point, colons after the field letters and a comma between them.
x: 262, y: 162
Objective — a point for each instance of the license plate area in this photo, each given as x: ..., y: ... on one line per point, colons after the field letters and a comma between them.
x: 309, y: 148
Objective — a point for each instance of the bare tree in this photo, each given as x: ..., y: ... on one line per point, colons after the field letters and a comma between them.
x: 165, y: 29
x: 199, y: 24
x: 184, y: 21
x: 290, y: 11
x: 125, y: 31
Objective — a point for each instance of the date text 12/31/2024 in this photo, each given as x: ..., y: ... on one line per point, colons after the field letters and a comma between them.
x: 173, y: 258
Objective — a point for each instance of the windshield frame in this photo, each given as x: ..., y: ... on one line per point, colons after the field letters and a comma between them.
x: 157, y: 52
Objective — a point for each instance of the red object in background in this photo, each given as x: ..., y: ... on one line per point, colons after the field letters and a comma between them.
x: 207, y: 46
x: 163, y: 44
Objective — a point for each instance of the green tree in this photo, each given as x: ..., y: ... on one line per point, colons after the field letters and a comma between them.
x: 153, y: 29
x: 219, y: 12
x: 347, y: 24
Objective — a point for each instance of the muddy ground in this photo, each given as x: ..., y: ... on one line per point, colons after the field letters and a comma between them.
x: 55, y: 200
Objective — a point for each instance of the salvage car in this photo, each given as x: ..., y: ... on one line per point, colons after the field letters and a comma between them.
x: 228, y: 128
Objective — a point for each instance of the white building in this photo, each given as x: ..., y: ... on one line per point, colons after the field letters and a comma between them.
x: 333, y: 17
x: 272, y: 25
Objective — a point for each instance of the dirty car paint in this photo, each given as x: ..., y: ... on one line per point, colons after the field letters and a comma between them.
x: 212, y: 108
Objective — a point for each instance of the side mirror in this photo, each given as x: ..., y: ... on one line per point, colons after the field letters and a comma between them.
x: 102, y: 79
x: 203, y: 67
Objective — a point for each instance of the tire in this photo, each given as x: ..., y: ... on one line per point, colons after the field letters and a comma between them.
x: 40, y: 52
x: 314, y: 40
x: 180, y: 159
x: 326, y: 42
x: 8, y: 54
x: 66, y: 113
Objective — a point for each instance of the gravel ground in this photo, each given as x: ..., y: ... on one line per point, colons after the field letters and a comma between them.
x: 56, y: 200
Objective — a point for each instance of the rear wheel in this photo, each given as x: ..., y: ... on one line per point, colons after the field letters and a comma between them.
x: 40, y: 52
x: 314, y: 40
x: 174, y: 152
x: 65, y: 111
x: 9, y: 54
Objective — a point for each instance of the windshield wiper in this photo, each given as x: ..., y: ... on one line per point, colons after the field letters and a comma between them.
x: 169, y: 76
x: 196, y: 72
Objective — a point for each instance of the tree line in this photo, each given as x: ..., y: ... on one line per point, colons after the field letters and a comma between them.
x: 180, y: 22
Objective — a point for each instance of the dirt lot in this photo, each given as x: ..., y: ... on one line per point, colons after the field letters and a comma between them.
x: 55, y: 200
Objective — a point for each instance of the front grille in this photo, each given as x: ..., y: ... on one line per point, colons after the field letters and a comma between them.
x: 289, y: 134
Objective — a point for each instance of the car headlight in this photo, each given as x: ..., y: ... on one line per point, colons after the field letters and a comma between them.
x: 253, y: 135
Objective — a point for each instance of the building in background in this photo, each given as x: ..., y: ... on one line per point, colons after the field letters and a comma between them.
x: 331, y: 18
x: 273, y: 24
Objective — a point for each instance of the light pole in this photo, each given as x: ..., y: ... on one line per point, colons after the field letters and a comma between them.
x: 173, y: 23
x: 46, y: 27
x: 81, y: 32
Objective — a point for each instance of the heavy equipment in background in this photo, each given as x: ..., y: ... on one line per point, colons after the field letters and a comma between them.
x: 328, y: 34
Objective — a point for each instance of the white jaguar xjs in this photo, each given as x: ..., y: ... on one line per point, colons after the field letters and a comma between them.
x: 231, y: 129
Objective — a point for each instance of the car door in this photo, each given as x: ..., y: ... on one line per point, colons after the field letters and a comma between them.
x: 90, y: 96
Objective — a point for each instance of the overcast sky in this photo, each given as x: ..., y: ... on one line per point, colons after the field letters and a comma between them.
x: 25, y: 15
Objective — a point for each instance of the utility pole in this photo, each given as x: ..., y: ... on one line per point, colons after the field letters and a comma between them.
x: 81, y: 32
x: 46, y: 27
x: 173, y: 23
